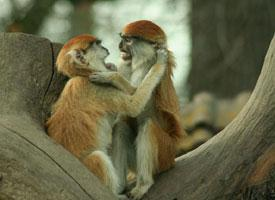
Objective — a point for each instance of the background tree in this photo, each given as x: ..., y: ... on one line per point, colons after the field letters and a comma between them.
x: 229, y: 42
x: 81, y: 18
x: 30, y: 19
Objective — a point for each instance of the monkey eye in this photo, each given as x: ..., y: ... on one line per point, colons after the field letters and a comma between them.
x: 127, y: 39
x: 98, y: 42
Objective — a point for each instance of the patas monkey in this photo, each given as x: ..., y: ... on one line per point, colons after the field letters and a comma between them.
x: 147, y: 143
x: 82, y: 118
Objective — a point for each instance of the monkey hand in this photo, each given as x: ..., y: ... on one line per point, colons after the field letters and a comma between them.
x: 102, y: 77
x: 162, y: 56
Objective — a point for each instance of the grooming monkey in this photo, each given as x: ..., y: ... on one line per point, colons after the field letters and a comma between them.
x: 145, y: 144
x: 82, y: 118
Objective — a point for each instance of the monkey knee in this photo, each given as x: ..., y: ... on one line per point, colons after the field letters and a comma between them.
x: 148, y: 134
x: 100, y: 164
x: 147, y: 150
x: 96, y: 164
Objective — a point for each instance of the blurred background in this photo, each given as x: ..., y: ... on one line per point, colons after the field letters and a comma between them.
x: 219, y: 45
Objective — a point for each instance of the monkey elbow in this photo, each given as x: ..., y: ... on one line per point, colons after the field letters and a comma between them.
x: 134, y: 113
x: 134, y: 109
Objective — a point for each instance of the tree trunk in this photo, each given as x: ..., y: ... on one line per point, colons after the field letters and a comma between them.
x: 33, y: 19
x: 229, y: 42
x: 32, y: 166
x: 81, y: 18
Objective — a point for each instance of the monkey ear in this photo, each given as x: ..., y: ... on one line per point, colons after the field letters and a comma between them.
x: 78, y: 56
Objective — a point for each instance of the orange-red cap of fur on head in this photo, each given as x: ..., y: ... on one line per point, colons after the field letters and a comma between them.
x: 63, y: 59
x: 145, y: 29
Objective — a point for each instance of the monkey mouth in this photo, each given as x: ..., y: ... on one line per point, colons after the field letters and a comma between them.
x: 110, y: 66
x: 125, y: 55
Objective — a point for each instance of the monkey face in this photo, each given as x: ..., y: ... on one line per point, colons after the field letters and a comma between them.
x: 125, y: 47
x: 92, y: 57
x: 136, y: 48
x: 132, y: 46
x: 97, y: 51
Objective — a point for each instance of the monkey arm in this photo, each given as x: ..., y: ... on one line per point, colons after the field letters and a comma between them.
x: 144, y: 92
x: 115, y: 79
x: 117, y: 101
x: 123, y: 84
x: 136, y: 103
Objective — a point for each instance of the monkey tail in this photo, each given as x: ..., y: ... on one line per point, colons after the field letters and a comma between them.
x: 167, y: 103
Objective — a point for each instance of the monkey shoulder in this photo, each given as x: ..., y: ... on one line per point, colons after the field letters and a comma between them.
x: 77, y: 83
x: 75, y: 89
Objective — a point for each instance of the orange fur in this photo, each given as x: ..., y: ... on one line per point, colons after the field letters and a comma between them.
x: 64, y: 64
x: 145, y: 29
x: 97, y: 166
x: 167, y: 103
x: 164, y: 147
x: 74, y: 120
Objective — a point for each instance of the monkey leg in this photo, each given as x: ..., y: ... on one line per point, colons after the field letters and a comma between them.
x: 146, y: 159
x: 155, y: 153
x: 100, y: 164
x: 165, y: 147
x: 123, y: 151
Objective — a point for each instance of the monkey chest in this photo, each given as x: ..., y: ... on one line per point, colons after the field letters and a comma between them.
x: 137, y: 76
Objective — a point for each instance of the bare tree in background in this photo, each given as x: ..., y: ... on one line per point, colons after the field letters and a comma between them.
x: 229, y: 42
x: 31, y: 21
x: 81, y: 19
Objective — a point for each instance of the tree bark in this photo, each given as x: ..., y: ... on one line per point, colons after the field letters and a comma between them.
x: 32, y: 166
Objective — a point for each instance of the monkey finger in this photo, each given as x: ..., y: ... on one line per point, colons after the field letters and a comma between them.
x: 98, y: 79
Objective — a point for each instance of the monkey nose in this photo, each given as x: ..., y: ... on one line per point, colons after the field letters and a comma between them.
x: 107, y: 50
x: 120, y: 45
